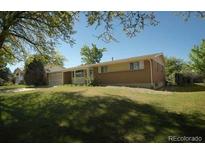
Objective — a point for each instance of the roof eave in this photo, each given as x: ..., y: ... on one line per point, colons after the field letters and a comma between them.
x: 146, y: 57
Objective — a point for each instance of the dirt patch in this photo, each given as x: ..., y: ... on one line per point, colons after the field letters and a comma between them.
x: 20, y: 90
x: 141, y: 90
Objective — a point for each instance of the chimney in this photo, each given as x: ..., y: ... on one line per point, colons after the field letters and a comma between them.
x: 112, y: 58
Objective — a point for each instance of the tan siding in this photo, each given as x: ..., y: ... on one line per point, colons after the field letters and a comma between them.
x: 160, y: 60
x: 55, y: 78
x: 158, y: 72
x: 124, y: 77
x: 118, y: 67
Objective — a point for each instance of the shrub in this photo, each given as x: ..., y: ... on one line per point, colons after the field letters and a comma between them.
x: 93, y: 83
x: 5, y: 75
x: 22, y: 82
x: 35, y: 73
x: 1, y: 81
x: 7, y: 84
x: 187, y: 78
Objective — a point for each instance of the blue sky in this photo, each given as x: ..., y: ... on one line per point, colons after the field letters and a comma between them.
x: 173, y: 36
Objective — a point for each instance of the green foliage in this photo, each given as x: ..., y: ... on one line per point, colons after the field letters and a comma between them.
x: 197, y: 57
x: 40, y: 31
x: 131, y: 22
x: 53, y: 59
x: 35, y: 73
x: 8, y: 83
x: 5, y: 58
x: 93, y: 83
x: 91, y: 55
x: 187, y: 69
x: 5, y: 75
x: 172, y: 66
x: 23, y: 31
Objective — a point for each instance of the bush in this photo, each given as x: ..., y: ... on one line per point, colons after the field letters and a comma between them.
x: 171, y: 80
x: 5, y: 75
x: 187, y: 78
x: 1, y: 81
x: 93, y: 83
x: 22, y: 82
x: 7, y: 84
x: 35, y: 73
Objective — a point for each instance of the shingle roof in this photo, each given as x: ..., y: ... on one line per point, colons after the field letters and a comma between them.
x: 50, y: 69
x: 110, y: 62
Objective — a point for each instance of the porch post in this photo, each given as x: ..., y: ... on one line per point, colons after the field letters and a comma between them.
x: 88, y: 76
x: 74, y: 76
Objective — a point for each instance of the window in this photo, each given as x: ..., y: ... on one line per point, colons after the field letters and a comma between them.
x: 102, y: 69
x: 79, y: 73
x: 137, y: 65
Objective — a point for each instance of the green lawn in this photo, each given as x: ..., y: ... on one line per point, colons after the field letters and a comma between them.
x: 12, y: 87
x: 101, y: 114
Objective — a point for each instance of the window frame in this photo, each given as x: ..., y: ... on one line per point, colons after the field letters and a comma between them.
x: 135, y: 66
x: 103, y: 69
x: 79, y: 74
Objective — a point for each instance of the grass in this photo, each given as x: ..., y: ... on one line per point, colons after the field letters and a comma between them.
x: 12, y: 87
x: 102, y: 114
x: 186, y: 88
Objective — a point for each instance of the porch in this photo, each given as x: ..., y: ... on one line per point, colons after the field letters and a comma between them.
x: 78, y: 76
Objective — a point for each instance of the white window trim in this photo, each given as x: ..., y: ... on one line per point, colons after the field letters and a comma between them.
x: 100, y: 69
x: 140, y: 65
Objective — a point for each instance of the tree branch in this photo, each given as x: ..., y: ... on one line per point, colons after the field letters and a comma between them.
x: 8, y: 52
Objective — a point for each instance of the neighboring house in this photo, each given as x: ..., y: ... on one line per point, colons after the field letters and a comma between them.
x: 19, y: 75
x: 144, y: 71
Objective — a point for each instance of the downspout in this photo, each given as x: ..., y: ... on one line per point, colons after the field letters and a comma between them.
x: 151, y: 72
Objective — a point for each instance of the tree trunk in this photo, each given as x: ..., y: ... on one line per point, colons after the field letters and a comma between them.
x: 2, y: 39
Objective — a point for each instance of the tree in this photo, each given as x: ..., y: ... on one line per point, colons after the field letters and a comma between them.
x: 5, y: 75
x: 186, y: 68
x: 197, y: 57
x: 91, y: 55
x: 21, y: 32
x: 188, y: 14
x: 41, y: 31
x: 53, y: 59
x: 172, y: 66
x: 35, y: 73
x: 131, y: 22
x: 5, y: 58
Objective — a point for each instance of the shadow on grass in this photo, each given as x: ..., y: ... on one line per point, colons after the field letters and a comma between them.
x: 72, y: 117
x: 184, y: 88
